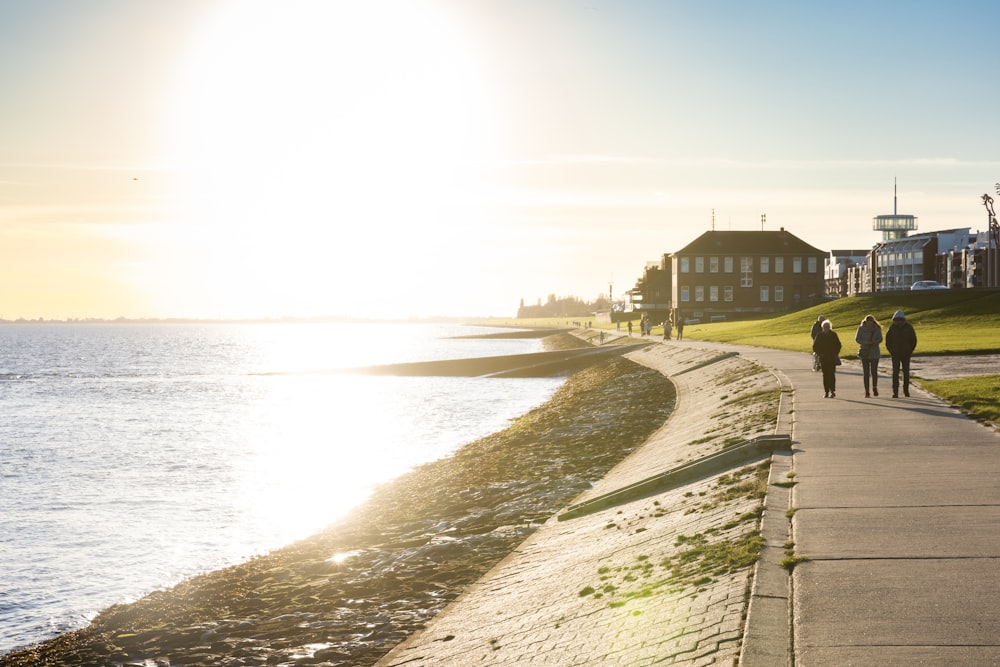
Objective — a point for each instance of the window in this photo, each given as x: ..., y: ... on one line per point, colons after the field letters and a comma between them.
x: 779, y: 264
x: 765, y: 264
x: 812, y: 264
x: 764, y: 295
x: 727, y: 293
x: 699, y: 265
x: 779, y: 293
x: 684, y: 293
x: 796, y: 265
x: 728, y: 264
x: 746, y: 271
x: 713, y: 264
x: 713, y: 293
x: 684, y: 265
x: 699, y: 293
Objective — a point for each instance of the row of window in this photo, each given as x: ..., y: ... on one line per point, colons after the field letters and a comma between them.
x: 726, y: 292
x: 915, y: 257
x: 746, y: 264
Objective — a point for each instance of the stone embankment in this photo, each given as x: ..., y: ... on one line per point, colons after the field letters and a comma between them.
x: 665, y: 577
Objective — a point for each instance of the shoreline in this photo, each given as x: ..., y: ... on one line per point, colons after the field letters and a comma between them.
x: 351, y: 593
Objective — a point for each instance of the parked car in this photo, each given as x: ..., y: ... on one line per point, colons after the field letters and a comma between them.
x: 928, y: 284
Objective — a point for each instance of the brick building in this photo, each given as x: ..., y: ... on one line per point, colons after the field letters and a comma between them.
x: 726, y: 274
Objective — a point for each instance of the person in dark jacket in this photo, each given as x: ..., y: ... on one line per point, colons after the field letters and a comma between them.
x: 827, y: 347
x: 900, y: 340
x: 868, y: 338
x: 816, y: 328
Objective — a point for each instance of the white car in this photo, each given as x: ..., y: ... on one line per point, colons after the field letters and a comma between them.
x: 928, y: 284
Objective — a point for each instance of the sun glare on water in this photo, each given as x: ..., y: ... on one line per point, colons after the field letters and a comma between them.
x: 321, y: 146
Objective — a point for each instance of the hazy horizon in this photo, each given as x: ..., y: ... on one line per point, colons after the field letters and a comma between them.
x: 228, y: 159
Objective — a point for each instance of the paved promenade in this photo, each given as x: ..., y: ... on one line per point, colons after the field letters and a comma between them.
x: 898, y: 507
x: 895, y: 504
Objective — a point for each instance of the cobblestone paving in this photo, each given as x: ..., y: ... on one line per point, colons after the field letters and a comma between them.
x: 634, y: 584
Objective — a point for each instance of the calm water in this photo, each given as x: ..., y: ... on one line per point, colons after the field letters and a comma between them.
x: 135, y: 456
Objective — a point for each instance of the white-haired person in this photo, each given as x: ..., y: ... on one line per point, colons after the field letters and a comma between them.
x: 827, y: 348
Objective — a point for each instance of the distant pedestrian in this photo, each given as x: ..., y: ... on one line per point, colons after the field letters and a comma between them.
x: 869, y: 338
x: 630, y: 327
x: 680, y: 329
x: 827, y: 346
x: 900, y: 340
x: 667, y: 329
x: 816, y: 328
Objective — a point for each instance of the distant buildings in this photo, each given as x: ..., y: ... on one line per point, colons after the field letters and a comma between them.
x: 956, y: 258
x: 730, y: 274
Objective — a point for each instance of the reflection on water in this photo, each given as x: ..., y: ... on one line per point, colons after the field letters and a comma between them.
x: 135, y: 456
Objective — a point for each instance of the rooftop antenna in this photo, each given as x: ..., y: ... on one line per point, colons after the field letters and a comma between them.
x: 763, y: 219
x: 713, y: 219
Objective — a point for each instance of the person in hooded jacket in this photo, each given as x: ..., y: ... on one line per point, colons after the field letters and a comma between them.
x: 868, y: 338
x: 900, y: 340
x: 827, y: 346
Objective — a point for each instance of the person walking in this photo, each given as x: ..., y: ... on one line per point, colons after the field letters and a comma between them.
x: 900, y: 340
x: 680, y: 328
x: 816, y: 328
x: 666, y: 329
x: 827, y: 346
x: 869, y: 338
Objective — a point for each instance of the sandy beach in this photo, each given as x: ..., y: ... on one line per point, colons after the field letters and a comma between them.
x: 350, y: 594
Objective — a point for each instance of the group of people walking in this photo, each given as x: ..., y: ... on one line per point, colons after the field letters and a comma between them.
x: 900, y: 340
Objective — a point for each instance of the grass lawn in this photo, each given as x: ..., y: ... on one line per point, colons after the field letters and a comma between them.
x: 978, y: 396
x: 947, y: 322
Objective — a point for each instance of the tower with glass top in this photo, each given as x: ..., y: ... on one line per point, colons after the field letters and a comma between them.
x: 894, y: 226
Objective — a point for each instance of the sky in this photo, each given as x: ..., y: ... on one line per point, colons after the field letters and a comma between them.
x: 397, y: 158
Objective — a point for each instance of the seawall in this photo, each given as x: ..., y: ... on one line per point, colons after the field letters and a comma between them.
x: 665, y: 574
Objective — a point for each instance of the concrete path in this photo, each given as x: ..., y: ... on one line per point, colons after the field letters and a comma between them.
x: 896, y: 507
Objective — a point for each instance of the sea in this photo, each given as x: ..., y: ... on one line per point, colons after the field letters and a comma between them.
x: 134, y: 456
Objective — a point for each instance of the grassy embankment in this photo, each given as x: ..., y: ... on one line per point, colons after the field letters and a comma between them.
x: 952, y: 322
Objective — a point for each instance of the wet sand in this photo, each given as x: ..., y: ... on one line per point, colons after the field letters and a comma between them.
x: 350, y: 594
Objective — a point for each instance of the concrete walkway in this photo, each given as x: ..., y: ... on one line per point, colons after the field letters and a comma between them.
x: 896, y: 507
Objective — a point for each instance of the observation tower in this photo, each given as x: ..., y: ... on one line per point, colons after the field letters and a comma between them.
x: 894, y: 226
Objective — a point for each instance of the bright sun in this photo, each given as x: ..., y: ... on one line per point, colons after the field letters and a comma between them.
x: 321, y: 145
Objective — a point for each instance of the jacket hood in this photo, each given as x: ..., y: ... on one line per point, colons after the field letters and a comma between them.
x: 898, y: 315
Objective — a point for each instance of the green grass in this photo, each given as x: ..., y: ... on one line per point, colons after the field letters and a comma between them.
x: 947, y: 322
x: 978, y: 396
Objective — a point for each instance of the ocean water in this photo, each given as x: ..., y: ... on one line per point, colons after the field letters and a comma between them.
x: 133, y: 456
